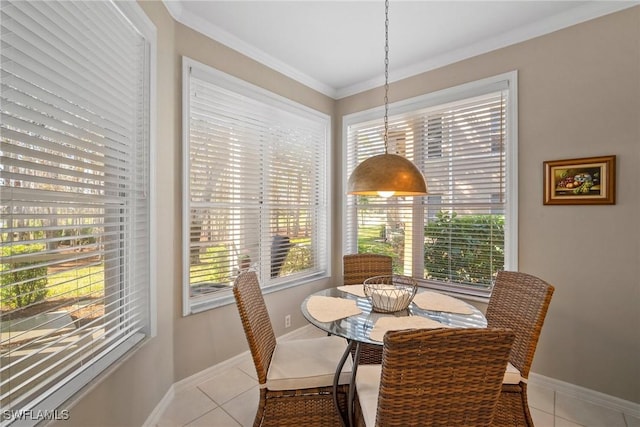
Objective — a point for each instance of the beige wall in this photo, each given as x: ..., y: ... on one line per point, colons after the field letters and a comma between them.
x: 185, y: 345
x: 579, y: 96
x: 210, y: 337
x: 127, y: 393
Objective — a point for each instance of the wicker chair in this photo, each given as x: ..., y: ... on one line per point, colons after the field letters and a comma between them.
x: 295, y: 376
x: 434, y: 377
x: 519, y: 302
x: 357, y: 268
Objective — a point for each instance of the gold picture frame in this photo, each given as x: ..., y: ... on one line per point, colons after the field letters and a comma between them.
x: 586, y: 181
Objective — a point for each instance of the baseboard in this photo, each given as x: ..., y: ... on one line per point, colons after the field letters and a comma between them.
x: 154, y: 417
x: 568, y: 389
x: 585, y: 394
x: 300, y: 332
x: 199, y: 377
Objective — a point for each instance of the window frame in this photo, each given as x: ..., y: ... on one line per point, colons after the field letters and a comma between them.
x: 193, y: 305
x: 506, y: 81
x: 52, y: 398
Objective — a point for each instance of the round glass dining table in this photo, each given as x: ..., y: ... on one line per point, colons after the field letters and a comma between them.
x: 356, y: 329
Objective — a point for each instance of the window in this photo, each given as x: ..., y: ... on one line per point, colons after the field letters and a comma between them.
x: 75, y: 179
x: 464, y: 141
x: 255, y: 189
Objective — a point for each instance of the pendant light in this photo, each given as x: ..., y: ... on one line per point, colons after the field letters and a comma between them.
x: 386, y: 174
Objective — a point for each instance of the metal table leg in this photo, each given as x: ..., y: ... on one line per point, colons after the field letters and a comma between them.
x: 352, y: 385
x: 336, y: 379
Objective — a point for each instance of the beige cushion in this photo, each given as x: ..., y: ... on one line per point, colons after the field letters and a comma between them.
x: 512, y: 375
x: 307, y: 363
x: 368, y: 387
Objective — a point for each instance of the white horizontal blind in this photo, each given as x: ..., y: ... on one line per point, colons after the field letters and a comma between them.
x: 455, y: 235
x: 379, y: 225
x: 257, y: 186
x: 74, y: 179
x: 466, y: 167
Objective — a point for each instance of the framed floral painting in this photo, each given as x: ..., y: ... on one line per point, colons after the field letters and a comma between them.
x: 586, y: 181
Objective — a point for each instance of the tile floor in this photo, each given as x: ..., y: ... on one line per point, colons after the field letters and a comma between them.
x: 228, y: 397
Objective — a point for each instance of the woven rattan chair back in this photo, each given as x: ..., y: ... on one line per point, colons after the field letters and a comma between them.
x: 358, y: 267
x: 280, y: 408
x: 520, y: 301
x: 442, y: 377
x: 255, y: 321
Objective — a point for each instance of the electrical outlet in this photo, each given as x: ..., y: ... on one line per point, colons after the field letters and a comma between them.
x: 287, y: 321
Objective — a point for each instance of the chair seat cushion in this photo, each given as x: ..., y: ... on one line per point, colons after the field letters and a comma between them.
x: 511, y: 375
x: 307, y: 363
x: 368, y: 387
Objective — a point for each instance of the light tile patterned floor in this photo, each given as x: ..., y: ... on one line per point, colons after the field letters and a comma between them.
x: 229, y: 398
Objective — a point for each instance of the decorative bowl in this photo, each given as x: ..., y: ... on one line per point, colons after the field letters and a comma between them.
x: 389, y: 294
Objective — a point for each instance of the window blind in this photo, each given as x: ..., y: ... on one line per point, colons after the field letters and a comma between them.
x: 74, y: 179
x: 465, y: 230
x: 454, y: 236
x: 256, y: 186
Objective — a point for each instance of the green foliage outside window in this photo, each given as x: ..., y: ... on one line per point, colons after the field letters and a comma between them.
x: 464, y: 249
x: 373, y: 240
x: 22, y: 284
x: 457, y: 249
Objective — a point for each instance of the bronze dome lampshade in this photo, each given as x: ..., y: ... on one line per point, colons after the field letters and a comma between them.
x: 386, y: 174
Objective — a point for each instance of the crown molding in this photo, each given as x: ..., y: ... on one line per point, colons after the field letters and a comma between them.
x: 216, y: 33
x: 575, y: 16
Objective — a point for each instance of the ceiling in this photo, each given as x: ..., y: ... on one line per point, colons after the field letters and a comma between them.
x: 337, y: 47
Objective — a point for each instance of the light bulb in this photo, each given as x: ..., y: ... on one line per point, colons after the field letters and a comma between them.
x: 386, y: 194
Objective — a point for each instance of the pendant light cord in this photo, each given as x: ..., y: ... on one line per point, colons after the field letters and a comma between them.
x: 386, y: 76
x: 387, y: 174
